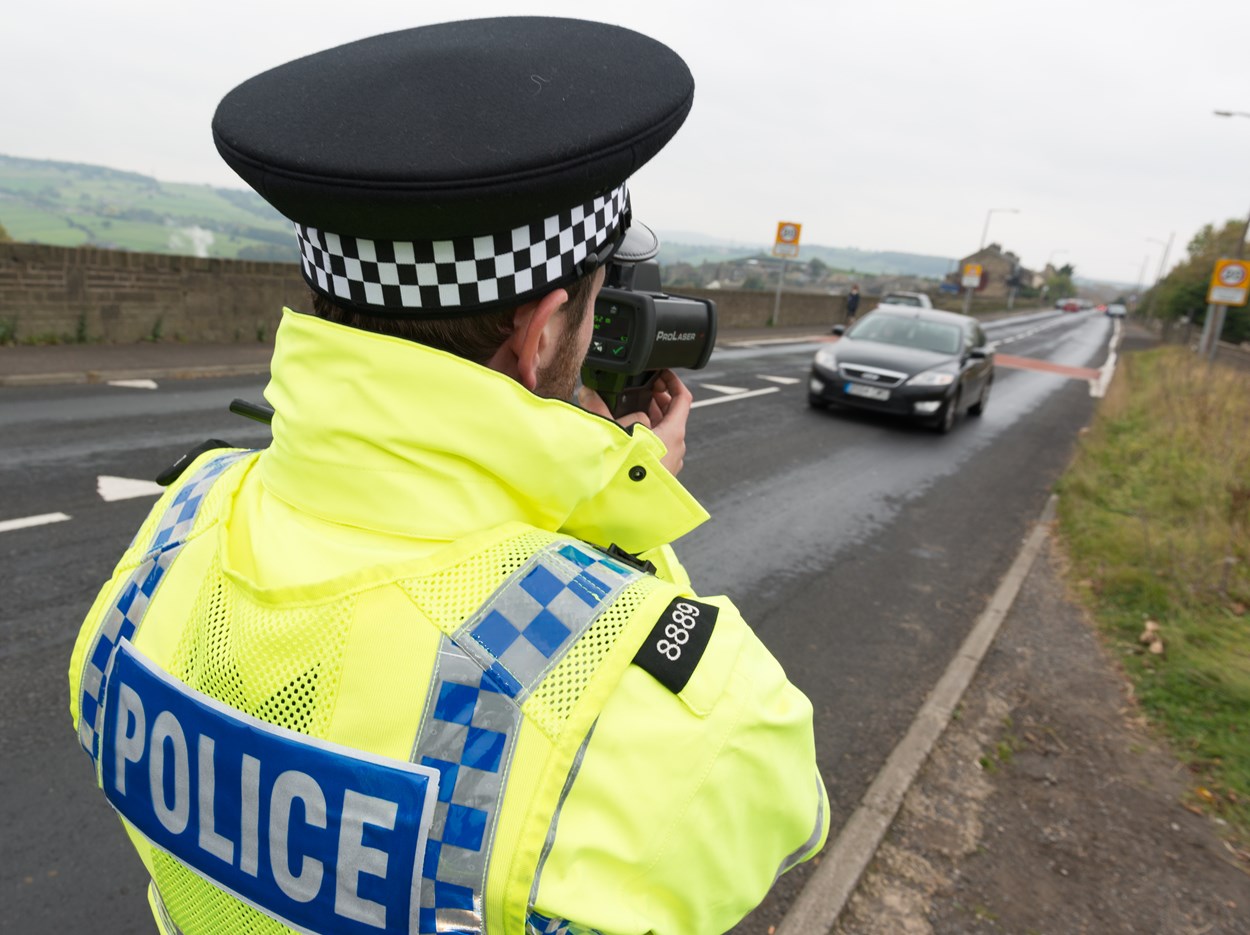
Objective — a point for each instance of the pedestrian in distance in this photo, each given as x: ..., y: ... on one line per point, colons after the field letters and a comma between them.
x: 852, y: 305
x: 428, y: 662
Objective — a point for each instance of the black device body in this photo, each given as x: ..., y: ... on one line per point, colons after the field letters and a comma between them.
x: 641, y: 330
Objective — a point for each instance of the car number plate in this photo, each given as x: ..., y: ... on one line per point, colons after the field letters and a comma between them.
x: 867, y: 392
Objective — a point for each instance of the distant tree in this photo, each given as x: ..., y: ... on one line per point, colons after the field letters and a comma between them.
x: 1183, y: 292
x: 754, y: 281
x: 817, y: 268
x: 1059, y: 284
x: 4, y: 235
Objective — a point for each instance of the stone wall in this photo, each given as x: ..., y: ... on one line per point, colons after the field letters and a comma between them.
x: 68, y: 294
x: 89, y: 294
x: 749, y: 308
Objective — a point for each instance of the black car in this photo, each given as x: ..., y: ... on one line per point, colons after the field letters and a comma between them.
x: 921, y: 363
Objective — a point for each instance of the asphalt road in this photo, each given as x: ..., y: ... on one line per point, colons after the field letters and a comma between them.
x: 861, y: 550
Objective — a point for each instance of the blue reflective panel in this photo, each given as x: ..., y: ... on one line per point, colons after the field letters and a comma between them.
x: 318, y: 836
x: 496, y: 633
x: 483, y: 749
x: 546, y: 633
x: 542, y: 585
x: 455, y: 703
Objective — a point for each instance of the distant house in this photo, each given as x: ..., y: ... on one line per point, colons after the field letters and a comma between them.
x: 1001, y: 270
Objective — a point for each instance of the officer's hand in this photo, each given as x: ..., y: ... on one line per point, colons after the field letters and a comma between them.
x: 666, y: 415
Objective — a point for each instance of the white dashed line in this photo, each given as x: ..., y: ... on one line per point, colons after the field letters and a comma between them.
x: 736, y: 396
x: 784, y: 381
x: 729, y: 390
x: 134, y: 384
x: 8, y: 525
x: 125, y: 488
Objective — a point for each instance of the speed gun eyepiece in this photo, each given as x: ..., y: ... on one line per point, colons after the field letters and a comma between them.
x: 641, y: 330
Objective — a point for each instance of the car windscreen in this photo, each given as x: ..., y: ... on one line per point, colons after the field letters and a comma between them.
x: 902, y: 300
x: 908, y: 332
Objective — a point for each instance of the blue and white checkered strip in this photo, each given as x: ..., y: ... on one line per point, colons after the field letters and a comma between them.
x: 122, y: 620
x: 483, y: 674
x: 538, y: 924
x: 525, y: 628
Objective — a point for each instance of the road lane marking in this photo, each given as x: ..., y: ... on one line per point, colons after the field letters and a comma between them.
x: 125, y: 488
x: 717, y: 388
x: 736, y: 396
x: 134, y: 384
x: 784, y: 381
x: 8, y: 525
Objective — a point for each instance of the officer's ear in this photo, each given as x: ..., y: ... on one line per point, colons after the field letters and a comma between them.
x: 536, y: 333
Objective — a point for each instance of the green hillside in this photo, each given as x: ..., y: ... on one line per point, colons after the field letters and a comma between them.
x: 73, y: 204
x: 875, y: 262
x: 70, y: 204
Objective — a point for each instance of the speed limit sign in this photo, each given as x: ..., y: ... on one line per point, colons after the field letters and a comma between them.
x: 1230, y: 282
x: 787, y: 242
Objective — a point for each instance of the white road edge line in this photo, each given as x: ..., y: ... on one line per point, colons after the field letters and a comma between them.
x: 736, y: 396
x: 832, y: 884
x: 8, y: 525
x: 1098, y: 388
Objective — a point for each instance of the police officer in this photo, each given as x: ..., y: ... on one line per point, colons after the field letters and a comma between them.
x: 428, y: 663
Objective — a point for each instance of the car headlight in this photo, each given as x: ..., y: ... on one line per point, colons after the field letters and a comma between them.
x: 932, y: 378
x: 827, y: 359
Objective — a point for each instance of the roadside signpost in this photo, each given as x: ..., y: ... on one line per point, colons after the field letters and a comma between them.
x: 1230, y: 282
x: 1230, y: 285
x: 971, y: 281
x: 787, y: 243
x: 785, y: 246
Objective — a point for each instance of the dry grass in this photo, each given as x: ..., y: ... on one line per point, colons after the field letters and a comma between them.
x: 1156, y: 514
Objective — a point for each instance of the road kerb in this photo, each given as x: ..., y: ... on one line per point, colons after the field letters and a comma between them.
x: 195, y: 372
x: 830, y: 887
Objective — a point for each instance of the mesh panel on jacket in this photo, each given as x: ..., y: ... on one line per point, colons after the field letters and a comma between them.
x: 281, y: 665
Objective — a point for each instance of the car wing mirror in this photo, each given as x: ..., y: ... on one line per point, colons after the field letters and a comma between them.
x: 839, y: 330
x: 978, y: 353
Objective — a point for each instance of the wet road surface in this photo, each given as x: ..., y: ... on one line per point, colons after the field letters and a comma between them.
x: 861, y: 550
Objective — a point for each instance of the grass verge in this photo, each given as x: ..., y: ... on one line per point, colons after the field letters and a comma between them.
x: 1155, y: 511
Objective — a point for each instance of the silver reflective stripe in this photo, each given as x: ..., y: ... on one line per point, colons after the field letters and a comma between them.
x: 123, y: 618
x: 473, y: 712
x: 538, y: 924
x: 167, y: 923
x: 574, y: 769
x: 806, y: 847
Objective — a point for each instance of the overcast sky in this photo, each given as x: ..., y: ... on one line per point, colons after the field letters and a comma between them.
x: 882, y: 124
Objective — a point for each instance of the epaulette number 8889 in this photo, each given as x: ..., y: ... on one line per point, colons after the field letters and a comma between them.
x: 682, y: 621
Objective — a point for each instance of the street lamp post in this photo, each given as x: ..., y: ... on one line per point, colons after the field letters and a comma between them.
x: 1163, y: 260
x: 1213, y: 327
x: 985, y: 231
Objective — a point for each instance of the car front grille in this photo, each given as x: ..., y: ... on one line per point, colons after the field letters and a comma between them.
x: 875, y: 376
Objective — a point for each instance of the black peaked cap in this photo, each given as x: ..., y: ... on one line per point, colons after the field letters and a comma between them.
x: 454, y: 130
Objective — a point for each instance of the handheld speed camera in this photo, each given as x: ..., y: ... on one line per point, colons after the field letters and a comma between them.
x: 641, y: 330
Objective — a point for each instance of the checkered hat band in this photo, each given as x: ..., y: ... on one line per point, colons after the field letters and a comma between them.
x: 463, y: 273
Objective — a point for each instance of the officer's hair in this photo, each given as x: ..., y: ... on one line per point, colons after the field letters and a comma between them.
x: 473, y: 337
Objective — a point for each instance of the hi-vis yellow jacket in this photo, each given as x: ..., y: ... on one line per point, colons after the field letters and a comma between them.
x: 382, y: 677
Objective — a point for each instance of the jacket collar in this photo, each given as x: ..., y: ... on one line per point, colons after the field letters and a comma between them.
x: 387, y: 435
